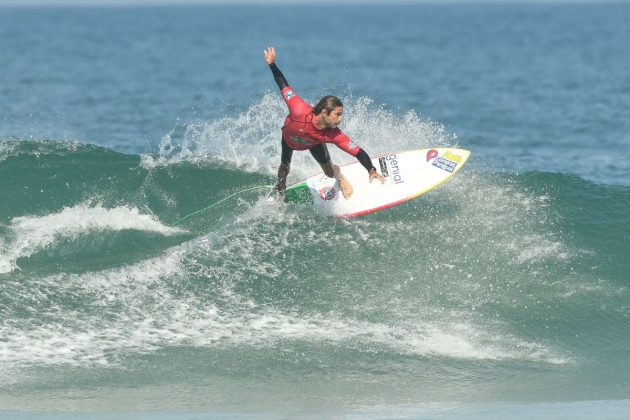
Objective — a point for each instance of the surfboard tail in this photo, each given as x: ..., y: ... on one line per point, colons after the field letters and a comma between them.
x: 299, y: 193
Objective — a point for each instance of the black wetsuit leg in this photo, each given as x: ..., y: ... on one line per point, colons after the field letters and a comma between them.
x: 287, y: 153
x: 320, y: 153
x: 285, y: 167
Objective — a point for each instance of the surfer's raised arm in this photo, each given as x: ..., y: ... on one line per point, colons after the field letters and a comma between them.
x: 270, y: 58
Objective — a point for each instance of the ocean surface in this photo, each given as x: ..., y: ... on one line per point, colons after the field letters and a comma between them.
x: 502, y: 294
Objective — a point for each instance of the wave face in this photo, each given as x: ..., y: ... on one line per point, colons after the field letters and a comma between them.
x: 491, y: 274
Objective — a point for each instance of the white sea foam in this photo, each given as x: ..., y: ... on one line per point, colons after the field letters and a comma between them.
x: 87, y: 337
x: 251, y: 141
x: 136, y: 309
x: 140, y: 308
x: 33, y: 233
x: 511, y: 223
x: 7, y: 149
x: 145, y: 327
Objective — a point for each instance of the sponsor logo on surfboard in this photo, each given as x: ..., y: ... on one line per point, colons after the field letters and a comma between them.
x: 289, y: 94
x: 391, y: 161
x: 452, y: 156
x: 327, y: 193
x: 383, y: 165
x: 447, y: 162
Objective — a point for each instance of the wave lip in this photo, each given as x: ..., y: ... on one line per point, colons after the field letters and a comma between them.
x: 34, y: 233
x: 39, y: 148
x: 6, y: 149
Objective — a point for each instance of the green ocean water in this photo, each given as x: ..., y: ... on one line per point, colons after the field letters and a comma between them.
x: 495, y: 285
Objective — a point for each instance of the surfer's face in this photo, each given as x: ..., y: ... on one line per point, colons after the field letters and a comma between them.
x: 332, y: 119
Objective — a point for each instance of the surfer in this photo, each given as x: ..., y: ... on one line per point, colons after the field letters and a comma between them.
x: 310, y: 128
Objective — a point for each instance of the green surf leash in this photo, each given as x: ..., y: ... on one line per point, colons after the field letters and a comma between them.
x: 178, y: 221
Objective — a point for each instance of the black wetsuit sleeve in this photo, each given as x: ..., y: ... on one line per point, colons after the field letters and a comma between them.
x: 365, y: 160
x: 277, y: 74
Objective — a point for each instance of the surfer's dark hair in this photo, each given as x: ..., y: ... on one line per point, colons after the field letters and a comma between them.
x: 328, y: 103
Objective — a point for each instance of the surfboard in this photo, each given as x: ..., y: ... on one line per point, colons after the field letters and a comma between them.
x: 407, y: 175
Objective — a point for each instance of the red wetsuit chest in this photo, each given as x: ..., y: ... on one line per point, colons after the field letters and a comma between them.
x: 300, y: 133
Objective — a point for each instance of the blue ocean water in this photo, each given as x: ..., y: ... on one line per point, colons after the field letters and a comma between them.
x: 502, y: 294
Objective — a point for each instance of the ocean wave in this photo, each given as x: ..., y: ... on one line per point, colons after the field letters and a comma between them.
x: 33, y: 233
x: 81, y: 336
x: 39, y: 148
x: 7, y: 149
x: 144, y: 330
x: 239, y: 287
x: 463, y: 273
x: 136, y: 309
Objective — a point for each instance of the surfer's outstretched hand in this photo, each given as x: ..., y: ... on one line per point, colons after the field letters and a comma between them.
x: 374, y: 174
x: 270, y: 55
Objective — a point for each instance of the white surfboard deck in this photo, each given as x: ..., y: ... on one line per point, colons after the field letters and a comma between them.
x: 407, y: 175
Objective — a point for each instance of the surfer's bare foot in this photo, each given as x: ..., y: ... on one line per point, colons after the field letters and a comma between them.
x: 346, y: 188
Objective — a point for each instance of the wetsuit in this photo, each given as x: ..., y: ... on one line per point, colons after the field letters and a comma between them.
x: 299, y: 132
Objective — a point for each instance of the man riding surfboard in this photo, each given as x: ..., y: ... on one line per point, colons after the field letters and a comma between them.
x: 310, y: 128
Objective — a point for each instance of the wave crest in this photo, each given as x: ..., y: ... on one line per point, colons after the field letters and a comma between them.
x: 250, y: 141
x: 33, y: 233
